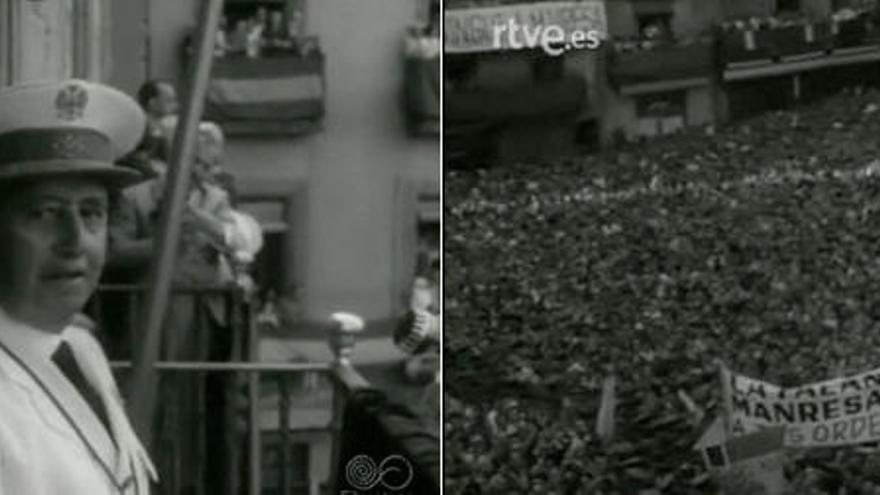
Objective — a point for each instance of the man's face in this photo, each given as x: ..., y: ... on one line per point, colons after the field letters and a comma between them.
x: 164, y: 103
x: 54, y: 236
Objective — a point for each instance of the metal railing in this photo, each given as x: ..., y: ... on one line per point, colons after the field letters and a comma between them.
x: 243, y: 466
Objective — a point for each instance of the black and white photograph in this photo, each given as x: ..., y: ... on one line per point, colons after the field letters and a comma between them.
x: 660, y: 235
x: 220, y: 247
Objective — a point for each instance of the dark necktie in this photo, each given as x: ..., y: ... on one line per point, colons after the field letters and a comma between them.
x: 66, y: 362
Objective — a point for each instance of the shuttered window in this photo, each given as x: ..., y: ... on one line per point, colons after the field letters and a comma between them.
x: 51, y: 39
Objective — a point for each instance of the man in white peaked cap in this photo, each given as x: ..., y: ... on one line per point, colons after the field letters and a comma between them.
x: 63, y: 429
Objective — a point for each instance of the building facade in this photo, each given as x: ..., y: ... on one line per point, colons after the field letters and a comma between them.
x: 666, y: 65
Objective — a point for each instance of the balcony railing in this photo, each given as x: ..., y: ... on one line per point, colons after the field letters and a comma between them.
x: 789, y: 42
x: 565, y: 96
x: 662, y: 62
x: 746, y: 46
x: 230, y: 424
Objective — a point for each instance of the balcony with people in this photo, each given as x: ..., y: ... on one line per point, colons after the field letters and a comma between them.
x: 422, y: 77
x: 665, y: 62
x: 268, y: 75
x: 794, y: 42
x: 655, y: 57
x: 225, y: 415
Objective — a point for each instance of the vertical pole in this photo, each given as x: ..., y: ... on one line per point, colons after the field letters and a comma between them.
x: 199, y: 384
x: 132, y: 316
x: 284, y: 426
x: 144, y: 377
x: 254, y: 471
x: 342, y: 342
x: 231, y: 389
x: 727, y: 395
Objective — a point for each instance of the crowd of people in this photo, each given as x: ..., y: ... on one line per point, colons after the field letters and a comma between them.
x: 753, y: 243
x: 267, y: 32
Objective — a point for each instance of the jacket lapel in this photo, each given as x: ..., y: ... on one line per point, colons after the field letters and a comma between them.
x: 133, y: 468
x: 66, y: 398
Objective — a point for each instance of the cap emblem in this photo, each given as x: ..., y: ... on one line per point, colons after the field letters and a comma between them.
x: 69, y: 146
x: 71, y: 102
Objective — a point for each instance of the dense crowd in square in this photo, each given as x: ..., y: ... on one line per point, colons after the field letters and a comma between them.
x: 754, y: 243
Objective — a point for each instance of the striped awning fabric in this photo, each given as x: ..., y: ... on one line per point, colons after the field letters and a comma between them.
x: 276, y: 89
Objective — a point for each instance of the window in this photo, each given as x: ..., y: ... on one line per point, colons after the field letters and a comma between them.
x: 286, y: 467
x: 46, y: 30
x: 587, y: 135
x: 416, y: 242
x: 429, y: 246
x: 5, y: 41
x: 547, y: 68
x: 660, y: 104
x: 460, y: 71
x: 788, y: 6
x: 88, y: 47
x: 43, y: 39
x: 428, y: 235
x: 270, y: 267
x: 428, y: 16
x: 655, y: 25
x: 660, y: 113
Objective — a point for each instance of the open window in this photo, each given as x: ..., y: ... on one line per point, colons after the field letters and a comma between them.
x: 421, y: 65
x: 655, y: 25
x: 270, y: 266
x: 546, y: 68
x: 6, y: 42
x: 661, y: 113
x: 428, y: 235
x: 788, y: 6
x: 286, y: 467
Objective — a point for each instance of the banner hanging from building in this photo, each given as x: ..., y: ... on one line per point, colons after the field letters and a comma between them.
x: 524, y: 25
x: 841, y: 411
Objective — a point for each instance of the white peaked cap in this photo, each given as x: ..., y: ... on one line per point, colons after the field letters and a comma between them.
x: 68, y: 128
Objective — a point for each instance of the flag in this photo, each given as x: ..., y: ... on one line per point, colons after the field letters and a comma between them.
x: 751, y: 463
x: 711, y: 446
x: 605, y: 419
x: 809, y: 33
x: 749, y: 40
x: 695, y: 411
x: 266, y: 89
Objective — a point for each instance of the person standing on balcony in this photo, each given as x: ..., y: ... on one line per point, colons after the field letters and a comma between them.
x: 158, y: 99
x: 418, y: 333
x: 196, y: 323
x: 63, y: 427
